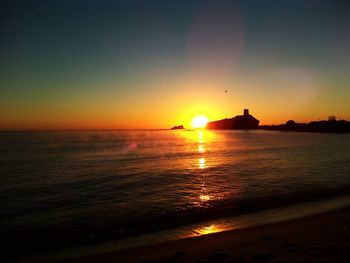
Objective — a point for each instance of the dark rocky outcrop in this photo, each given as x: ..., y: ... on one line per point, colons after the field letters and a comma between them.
x: 180, y: 127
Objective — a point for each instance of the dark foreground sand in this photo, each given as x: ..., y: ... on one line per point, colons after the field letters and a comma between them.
x: 319, y: 238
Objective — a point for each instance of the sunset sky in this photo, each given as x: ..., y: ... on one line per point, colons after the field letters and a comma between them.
x: 155, y: 64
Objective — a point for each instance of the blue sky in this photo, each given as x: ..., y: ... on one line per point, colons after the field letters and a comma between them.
x: 100, y: 64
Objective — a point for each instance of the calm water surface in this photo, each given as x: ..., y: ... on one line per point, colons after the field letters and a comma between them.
x: 110, y: 184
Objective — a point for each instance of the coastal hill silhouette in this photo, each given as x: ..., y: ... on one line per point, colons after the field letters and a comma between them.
x: 245, y: 121
x: 332, y: 125
x: 248, y: 122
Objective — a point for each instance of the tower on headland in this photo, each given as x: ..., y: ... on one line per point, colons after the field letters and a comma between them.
x: 244, y: 122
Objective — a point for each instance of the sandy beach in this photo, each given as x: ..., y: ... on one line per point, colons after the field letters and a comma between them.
x: 318, y: 238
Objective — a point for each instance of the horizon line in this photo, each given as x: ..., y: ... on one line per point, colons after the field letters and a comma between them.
x: 139, y: 129
x: 71, y: 130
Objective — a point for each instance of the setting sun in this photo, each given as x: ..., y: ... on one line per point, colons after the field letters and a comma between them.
x: 199, y: 122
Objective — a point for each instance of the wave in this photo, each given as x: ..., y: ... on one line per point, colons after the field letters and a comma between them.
x: 28, y: 241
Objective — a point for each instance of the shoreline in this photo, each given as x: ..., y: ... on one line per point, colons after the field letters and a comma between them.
x: 236, y: 223
x: 323, y: 237
x: 97, y: 241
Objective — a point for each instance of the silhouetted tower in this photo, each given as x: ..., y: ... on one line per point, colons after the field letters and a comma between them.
x: 246, y: 112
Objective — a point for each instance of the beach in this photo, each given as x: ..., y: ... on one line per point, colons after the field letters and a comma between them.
x: 319, y: 238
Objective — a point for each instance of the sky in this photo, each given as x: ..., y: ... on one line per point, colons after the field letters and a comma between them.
x: 155, y: 64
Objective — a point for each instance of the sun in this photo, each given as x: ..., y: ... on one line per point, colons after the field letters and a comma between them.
x: 199, y: 122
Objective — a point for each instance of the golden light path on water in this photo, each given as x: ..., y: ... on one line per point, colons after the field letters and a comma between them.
x: 201, y: 162
x: 197, y: 141
x: 203, y: 197
x: 201, y: 139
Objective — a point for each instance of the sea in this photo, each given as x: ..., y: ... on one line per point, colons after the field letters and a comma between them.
x: 62, y: 190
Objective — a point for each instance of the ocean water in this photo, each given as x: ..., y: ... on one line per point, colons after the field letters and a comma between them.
x: 65, y: 189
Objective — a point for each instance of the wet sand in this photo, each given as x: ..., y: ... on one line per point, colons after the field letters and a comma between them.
x: 318, y: 238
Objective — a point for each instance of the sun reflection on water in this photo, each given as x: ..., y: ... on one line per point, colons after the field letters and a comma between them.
x: 204, y: 198
x: 201, y: 163
x: 210, y: 229
x: 200, y: 136
x: 201, y: 149
x: 205, y: 182
x: 199, y: 143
